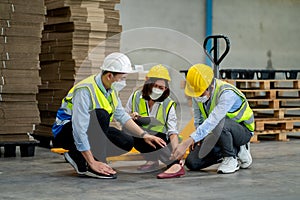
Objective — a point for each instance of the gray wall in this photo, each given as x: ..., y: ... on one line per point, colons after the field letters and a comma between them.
x: 254, y: 27
x: 178, y: 40
x: 172, y: 32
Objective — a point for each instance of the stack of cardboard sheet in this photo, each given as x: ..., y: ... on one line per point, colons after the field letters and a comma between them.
x: 21, y: 24
x: 77, y: 36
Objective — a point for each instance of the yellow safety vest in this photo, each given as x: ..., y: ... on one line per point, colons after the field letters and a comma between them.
x: 242, y: 115
x: 139, y: 105
x: 97, y: 97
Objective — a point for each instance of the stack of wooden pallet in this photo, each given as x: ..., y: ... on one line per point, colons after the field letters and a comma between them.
x: 77, y: 36
x: 275, y: 104
x: 21, y: 24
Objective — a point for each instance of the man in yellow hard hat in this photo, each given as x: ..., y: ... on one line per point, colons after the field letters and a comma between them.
x: 222, y: 111
x: 153, y: 102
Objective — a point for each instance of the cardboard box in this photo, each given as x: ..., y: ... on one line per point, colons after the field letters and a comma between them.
x: 19, y: 89
x: 22, y: 80
x: 73, y: 28
x: 19, y: 30
x: 20, y: 40
x: 13, y: 137
x: 16, y: 129
x: 21, y: 24
x: 17, y: 97
x: 20, y: 64
x: 26, y: 57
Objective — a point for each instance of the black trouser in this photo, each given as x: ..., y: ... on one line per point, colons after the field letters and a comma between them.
x: 233, y: 136
x: 154, y: 154
x: 104, y: 140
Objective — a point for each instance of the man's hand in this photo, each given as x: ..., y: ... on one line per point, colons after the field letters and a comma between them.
x: 97, y: 166
x: 102, y: 168
x: 151, y: 139
x: 193, y: 145
x: 180, y: 150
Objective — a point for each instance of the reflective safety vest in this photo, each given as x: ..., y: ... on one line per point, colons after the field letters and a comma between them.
x: 243, y: 114
x: 64, y: 114
x: 139, y: 105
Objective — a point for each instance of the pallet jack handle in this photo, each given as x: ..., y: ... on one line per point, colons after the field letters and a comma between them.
x: 216, y: 60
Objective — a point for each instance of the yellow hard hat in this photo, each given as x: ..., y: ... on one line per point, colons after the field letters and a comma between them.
x: 159, y: 71
x: 198, y: 79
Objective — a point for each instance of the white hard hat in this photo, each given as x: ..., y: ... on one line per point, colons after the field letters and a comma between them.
x: 117, y: 62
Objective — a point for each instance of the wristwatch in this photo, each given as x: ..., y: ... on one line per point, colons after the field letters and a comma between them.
x: 143, y: 134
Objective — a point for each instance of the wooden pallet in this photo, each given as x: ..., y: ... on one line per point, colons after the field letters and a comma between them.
x: 274, y: 103
x: 277, y: 135
x: 271, y: 93
x: 295, y: 133
x: 268, y: 89
x: 275, y: 123
x: 279, y: 113
x: 265, y: 84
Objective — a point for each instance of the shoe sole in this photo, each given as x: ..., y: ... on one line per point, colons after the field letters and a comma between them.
x: 90, y: 174
x: 178, y: 176
x: 230, y: 172
x: 245, y: 166
x: 73, y: 164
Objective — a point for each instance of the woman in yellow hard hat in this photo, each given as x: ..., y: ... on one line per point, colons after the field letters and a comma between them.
x: 154, y: 111
x: 224, y: 123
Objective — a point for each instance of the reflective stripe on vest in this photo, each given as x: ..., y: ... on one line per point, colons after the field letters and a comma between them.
x: 139, y: 105
x: 243, y: 114
x: 97, y: 97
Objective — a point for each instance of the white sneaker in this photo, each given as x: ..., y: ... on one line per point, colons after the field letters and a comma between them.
x: 245, y: 156
x: 228, y: 165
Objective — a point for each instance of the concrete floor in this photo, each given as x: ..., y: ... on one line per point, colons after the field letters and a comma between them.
x: 273, y: 175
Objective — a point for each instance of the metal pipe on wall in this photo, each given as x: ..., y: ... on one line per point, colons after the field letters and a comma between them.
x: 208, y: 25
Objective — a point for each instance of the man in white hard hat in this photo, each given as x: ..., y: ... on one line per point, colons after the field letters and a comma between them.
x: 82, y: 121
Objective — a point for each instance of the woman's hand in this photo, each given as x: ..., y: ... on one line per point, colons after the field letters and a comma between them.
x: 151, y: 139
x: 134, y: 115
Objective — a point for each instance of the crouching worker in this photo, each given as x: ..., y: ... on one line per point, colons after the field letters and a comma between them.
x: 224, y: 123
x: 82, y: 121
x: 153, y: 109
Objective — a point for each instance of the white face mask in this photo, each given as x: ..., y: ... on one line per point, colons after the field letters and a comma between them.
x: 119, y: 85
x: 156, y: 93
x: 202, y: 99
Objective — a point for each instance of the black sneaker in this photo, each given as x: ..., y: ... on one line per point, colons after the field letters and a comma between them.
x: 90, y: 172
x: 77, y: 161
